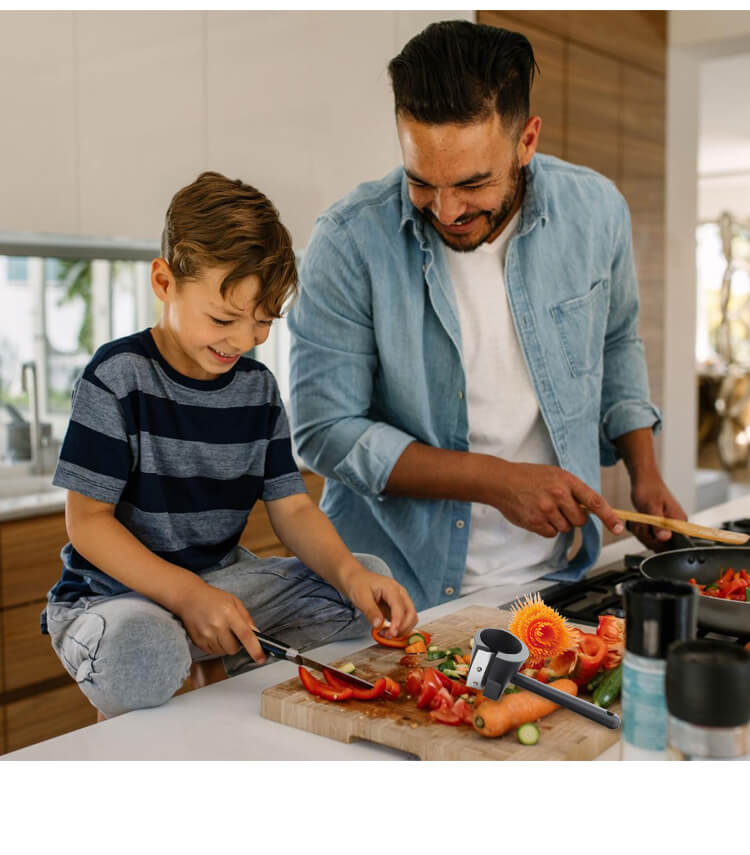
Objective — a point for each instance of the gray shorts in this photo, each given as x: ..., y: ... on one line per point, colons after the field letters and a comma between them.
x: 126, y: 652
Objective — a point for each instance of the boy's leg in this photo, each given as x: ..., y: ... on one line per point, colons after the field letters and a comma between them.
x: 125, y: 652
x: 291, y: 603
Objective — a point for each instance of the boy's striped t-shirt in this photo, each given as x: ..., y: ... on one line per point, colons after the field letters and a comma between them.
x: 182, y: 460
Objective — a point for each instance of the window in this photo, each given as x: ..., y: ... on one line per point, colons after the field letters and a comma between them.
x: 61, y: 299
x: 723, y: 318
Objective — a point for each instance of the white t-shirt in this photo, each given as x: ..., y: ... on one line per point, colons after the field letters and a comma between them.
x: 504, y: 416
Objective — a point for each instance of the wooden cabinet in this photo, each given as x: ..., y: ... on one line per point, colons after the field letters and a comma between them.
x: 38, y: 700
x: 601, y: 96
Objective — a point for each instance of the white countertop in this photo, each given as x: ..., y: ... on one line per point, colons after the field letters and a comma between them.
x: 223, y: 722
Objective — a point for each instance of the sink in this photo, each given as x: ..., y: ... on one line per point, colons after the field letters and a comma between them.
x: 26, y: 485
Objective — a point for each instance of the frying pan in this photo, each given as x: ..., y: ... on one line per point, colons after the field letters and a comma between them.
x: 705, y: 564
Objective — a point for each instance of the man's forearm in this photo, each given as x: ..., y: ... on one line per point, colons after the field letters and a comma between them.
x: 637, y: 451
x: 424, y: 472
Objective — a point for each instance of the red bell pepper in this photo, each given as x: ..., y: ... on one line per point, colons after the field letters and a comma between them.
x: 392, y: 688
x: 592, y: 652
x: 315, y: 687
x: 399, y: 641
x: 360, y: 694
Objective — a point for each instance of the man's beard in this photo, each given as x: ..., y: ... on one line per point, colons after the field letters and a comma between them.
x: 494, y: 218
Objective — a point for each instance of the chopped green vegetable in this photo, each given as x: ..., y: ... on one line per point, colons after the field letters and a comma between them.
x: 511, y: 690
x: 528, y: 734
x: 747, y: 594
x: 348, y: 667
x: 436, y: 654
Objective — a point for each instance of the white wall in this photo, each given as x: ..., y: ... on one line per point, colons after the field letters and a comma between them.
x: 693, y: 38
x: 107, y: 114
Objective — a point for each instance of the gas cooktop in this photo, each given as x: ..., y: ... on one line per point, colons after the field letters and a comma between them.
x: 600, y: 593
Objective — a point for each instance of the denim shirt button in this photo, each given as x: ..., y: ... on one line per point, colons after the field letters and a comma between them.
x: 460, y: 395
x: 449, y: 591
x: 459, y: 524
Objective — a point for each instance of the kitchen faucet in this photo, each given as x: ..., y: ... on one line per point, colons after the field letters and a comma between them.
x: 37, y: 463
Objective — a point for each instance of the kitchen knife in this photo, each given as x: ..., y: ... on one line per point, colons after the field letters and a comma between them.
x: 283, y: 651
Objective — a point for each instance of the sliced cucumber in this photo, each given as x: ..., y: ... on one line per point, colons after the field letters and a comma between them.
x: 511, y: 690
x: 415, y: 637
x: 348, y: 667
x: 528, y: 734
x: 455, y: 651
x: 433, y: 648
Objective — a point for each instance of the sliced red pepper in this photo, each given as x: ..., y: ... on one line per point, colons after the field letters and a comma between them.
x: 315, y: 687
x: 399, y: 641
x: 592, y: 652
x: 360, y: 694
x: 392, y: 688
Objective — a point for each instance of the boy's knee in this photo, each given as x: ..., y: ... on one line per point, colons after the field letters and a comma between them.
x: 373, y: 564
x: 139, y: 663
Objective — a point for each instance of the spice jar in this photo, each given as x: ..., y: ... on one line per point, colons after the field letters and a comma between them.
x: 708, y: 699
x: 658, y: 612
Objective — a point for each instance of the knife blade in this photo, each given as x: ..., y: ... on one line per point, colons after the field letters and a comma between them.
x: 283, y: 651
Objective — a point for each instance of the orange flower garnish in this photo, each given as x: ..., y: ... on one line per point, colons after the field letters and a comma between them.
x: 541, y: 629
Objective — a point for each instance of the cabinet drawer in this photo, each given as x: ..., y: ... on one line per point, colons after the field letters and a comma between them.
x: 27, y: 654
x: 30, y: 557
x: 46, y: 715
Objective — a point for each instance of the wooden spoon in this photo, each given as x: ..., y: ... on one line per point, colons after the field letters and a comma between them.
x: 690, y: 529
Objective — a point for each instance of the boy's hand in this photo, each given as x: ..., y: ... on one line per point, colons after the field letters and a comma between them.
x: 379, y: 596
x: 218, y: 622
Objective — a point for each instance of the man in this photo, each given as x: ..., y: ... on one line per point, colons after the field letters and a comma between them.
x: 465, y: 349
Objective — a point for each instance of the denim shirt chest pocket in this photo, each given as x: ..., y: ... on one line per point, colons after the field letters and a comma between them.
x: 581, y: 324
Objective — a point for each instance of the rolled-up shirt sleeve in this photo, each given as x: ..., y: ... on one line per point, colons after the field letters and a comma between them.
x: 625, y: 404
x: 334, y: 357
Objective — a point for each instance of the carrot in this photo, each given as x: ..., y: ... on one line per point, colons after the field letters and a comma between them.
x: 494, y: 718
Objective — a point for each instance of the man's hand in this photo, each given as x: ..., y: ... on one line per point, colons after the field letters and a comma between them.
x: 379, y: 596
x: 650, y: 495
x: 546, y: 499
x: 217, y: 621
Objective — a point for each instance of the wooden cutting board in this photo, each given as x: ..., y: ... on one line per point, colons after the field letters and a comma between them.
x: 399, y: 724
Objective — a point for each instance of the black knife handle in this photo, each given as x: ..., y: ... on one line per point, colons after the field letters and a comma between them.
x: 272, y: 646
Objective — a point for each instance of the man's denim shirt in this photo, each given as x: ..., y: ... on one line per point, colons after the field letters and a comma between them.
x: 376, y: 360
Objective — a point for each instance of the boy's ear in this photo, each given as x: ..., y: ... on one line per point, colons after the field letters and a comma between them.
x: 163, y: 282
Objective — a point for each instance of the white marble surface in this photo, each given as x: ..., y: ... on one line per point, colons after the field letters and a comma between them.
x: 223, y: 722
x: 25, y: 495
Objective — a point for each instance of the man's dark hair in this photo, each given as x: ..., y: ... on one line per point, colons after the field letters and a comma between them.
x: 459, y: 72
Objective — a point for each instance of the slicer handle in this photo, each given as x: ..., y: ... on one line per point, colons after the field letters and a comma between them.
x: 578, y: 705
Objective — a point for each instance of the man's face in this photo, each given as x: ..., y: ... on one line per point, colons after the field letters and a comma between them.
x: 203, y: 333
x: 466, y: 179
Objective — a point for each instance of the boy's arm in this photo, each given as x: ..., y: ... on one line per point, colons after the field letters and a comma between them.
x: 308, y: 533
x: 211, y: 616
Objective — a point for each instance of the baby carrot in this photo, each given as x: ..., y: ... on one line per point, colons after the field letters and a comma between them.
x: 494, y: 718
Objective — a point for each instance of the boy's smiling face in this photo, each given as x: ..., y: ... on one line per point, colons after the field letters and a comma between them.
x: 203, y: 333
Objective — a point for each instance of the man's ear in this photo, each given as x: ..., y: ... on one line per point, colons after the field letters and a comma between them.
x: 163, y: 282
x: 528, y: 140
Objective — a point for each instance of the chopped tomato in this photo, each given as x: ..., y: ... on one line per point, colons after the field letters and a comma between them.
x: 464, y: 710
x: 360, y: 694
x: 591, y: 655
x: 446, y: 717
x: 426, y: 695
x: 411, y: 660
x: 414, y: 681
x: 315, y: 687
x: 400, y: 641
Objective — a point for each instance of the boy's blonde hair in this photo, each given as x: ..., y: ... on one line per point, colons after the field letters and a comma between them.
x: 216, y: 221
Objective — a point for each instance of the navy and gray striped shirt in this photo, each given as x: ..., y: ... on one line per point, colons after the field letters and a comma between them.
x: 182, y: 460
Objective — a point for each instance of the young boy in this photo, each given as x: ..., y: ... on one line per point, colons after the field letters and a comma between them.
x: 173, y: 436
